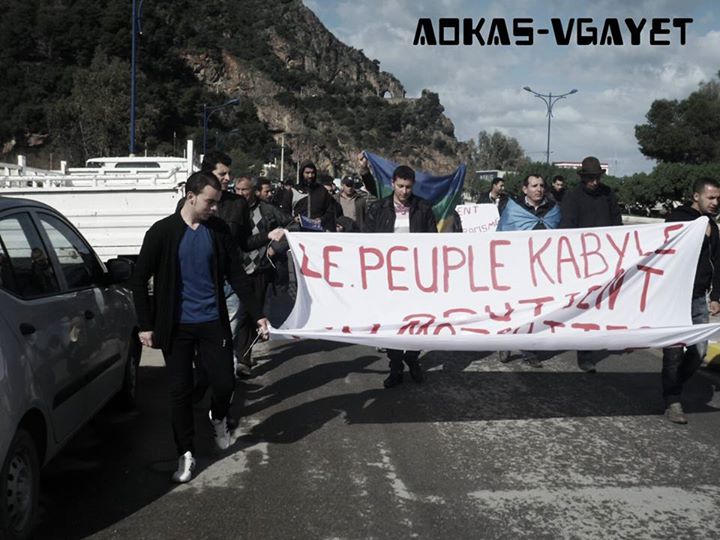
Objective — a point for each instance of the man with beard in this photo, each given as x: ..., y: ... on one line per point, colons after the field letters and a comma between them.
x: 318, y: 206
x: 589, y: 204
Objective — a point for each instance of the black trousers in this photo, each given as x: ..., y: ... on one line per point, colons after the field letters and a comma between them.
x: 247, y: 328
x: 679, y: 363
x: 397, y: 357
x: 215, y: 353
x: 678, y: 366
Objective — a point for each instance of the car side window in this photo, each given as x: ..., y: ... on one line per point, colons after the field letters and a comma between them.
x: 24, y: 265
x: 77, y: 262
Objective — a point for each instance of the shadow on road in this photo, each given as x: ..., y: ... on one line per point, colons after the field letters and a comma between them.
x: 451, y: 394
x: 120, y: 464
x: 116, y: 465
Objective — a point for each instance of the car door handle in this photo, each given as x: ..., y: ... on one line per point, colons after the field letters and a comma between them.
x: 89, y: 314
x: 26, y: 329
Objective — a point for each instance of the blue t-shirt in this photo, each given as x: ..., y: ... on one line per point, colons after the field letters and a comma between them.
x: 198, y: 301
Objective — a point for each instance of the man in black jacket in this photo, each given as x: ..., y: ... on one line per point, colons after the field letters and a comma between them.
x: 282, y: 198
x: 189, y: 255
x: 496, y: 195
x: 679, y: 363
x: 558, y: 189
x: 317, y: 205
x: 265, y: 245
x: 232, y: 208
x: 589, y: 204
x: 401, y: 212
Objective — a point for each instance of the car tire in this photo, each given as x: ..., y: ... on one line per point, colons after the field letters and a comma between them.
x: 127, y: 397
x: 19, y: 488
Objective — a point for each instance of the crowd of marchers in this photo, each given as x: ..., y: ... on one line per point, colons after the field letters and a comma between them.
x: 218, y: 261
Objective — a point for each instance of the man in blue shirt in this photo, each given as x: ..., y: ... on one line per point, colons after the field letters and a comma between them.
x: 189, y: 255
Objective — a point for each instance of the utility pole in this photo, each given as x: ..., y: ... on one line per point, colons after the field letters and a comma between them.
x: 549, y: 100
x: 136, y: 30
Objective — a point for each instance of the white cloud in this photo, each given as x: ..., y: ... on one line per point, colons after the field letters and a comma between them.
x: 481, y: 87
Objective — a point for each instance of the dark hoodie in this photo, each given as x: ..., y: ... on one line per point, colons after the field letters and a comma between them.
x: 706, y: 276
x: 318, y: 203
x: 583, y: 208
x: 301, y: 183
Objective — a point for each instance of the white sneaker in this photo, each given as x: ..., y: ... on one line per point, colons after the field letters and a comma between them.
x: 222, y: 435
x: 186, y: 467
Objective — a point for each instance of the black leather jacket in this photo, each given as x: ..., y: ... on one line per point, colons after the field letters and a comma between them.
x: 381, y: 216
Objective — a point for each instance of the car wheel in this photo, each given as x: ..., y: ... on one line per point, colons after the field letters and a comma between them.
x: 19, y: 488
x: 127, y: 398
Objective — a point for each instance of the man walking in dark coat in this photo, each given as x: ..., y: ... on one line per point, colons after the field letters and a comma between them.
x: 264, y: 245
x: 679, y: 363
x: 189, y: 255
x: 401, y: 212
x: 589, y: 204
x: 318, y: 205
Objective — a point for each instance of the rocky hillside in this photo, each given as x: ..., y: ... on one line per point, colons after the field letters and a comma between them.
x: 292, y: 77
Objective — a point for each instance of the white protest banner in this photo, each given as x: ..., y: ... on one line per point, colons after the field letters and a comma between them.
x: 477, y: 218
x: 604, y: 288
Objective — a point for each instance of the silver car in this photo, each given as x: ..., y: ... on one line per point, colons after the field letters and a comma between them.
x: 68, y: 343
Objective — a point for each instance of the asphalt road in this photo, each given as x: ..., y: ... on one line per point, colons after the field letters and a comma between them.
x: 480, y: 450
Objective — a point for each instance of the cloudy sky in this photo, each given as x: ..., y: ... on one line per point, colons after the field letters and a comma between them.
x: 481, y: 87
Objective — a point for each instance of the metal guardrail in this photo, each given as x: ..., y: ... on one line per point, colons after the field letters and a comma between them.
x: 93, y: 179
x: 14, y: 169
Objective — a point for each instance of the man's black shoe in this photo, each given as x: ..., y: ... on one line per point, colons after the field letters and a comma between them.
x: 393, y: 380
x: 416, y: 373
x: 532, y: 360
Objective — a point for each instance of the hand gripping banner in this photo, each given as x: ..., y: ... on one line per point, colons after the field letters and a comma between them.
x: 604, y: 288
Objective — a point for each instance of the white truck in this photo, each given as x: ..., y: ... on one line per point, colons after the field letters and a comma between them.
x: 112, y: 200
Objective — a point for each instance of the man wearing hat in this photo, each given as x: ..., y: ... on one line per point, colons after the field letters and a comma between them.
x: 589, y: 204
x: 354, y: 203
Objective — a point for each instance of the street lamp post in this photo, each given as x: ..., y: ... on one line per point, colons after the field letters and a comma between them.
x: 549, y: 100
x: 136, y: 30
x: 207, y: 111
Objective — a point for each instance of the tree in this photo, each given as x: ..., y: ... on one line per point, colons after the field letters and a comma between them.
x: 497, y: 151
x: 686, y: 131
x: 100, y: 100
